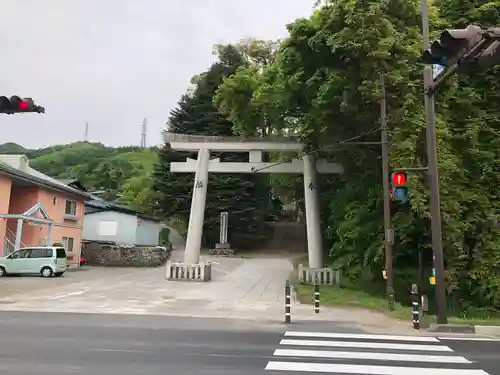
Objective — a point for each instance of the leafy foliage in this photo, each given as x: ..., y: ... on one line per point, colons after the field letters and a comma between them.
x: 244, y: 197
x: 323, y: 85
x: 122, y: 173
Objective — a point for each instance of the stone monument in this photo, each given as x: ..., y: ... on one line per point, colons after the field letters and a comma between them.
x: 223, y: 247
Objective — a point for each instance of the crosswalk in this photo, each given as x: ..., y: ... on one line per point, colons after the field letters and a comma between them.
x: 340, y: 353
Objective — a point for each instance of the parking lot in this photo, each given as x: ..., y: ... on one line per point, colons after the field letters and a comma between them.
x: 14, y: 287
x: 237, y: 285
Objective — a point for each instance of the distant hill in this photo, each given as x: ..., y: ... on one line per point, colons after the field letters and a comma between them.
x: 12, y: 148
x: 121, y: 172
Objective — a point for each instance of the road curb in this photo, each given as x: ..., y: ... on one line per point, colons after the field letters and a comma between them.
x: 487, y: 330
x: 465, y: 328
x: 452, y: 328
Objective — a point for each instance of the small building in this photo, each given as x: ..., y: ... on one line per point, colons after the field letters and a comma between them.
x: 110, y: 222
x: 36, y: 209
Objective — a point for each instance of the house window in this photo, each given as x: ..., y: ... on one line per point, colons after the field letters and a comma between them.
x: 68, y: 243
x: 70, y: 208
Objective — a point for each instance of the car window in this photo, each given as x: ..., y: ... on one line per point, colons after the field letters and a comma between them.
x: 23, y: 253
x: 41, y: 253
x: 61, y: 253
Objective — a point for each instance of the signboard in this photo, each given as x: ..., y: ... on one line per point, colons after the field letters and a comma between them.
x: 437, y: 70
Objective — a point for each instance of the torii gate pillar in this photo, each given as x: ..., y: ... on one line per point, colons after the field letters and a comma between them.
x: 197, y: 215
x: 313, y: 217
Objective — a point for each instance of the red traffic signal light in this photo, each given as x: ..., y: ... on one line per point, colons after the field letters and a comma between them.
x: 22, y: 105
x: 19, y: 105
x: 399, y: 190
x: 399, y: 178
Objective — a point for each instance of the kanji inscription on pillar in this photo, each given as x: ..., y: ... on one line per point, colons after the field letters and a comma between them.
x: 199, y: 184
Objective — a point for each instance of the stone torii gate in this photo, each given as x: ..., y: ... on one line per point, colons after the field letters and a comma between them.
x: 191, y: 268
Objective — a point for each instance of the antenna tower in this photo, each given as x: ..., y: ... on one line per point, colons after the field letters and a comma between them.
x: 86, y: 132
x: 144, y: 130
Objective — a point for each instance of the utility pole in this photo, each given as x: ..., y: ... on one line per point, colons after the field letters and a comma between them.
x: 433, y: 176
x: 388, y: 232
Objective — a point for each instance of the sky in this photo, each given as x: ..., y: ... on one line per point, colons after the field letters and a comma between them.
x: 112, y: 63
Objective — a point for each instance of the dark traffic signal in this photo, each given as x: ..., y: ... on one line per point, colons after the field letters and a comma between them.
x: 453, y: 45
x: 491, y: 54
x: 399, y: 189
x: 19, y: 105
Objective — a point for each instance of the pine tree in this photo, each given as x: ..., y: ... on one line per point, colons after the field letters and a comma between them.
x: 244, y: 197
x: 173, y: 190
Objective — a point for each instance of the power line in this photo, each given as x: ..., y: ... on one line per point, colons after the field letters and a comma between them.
x: 367, y: 132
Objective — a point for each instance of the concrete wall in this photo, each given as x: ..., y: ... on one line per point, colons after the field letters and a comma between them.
x: 147, y: 232
x: 55, y: 204
x: 98, y: 254
x: 126, y: 225
x: 5, y: 186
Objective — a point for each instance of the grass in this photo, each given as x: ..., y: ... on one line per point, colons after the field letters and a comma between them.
x: 350, y: 295
x: 334, y: 296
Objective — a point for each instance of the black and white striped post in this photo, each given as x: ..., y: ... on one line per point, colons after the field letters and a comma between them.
x: 316, y: 297
x: 415, y: 306
x: 288, y: 316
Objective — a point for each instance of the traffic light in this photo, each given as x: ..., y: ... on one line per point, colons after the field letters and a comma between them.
x: 491, y: 54
x: 19, y: 105
x: 399, y: 188
x: 452, y: 46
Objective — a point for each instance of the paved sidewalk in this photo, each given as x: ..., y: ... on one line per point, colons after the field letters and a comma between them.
x: 241, y: 288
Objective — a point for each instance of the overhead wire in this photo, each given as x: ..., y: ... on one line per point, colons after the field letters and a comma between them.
x: 367, y: 132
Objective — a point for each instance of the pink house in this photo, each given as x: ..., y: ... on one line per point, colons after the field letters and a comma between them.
x: 36, y: 209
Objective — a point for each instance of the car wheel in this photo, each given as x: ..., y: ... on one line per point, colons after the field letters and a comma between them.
x: 58, y: 274
x: 46, y: 272
x: 2, y: 271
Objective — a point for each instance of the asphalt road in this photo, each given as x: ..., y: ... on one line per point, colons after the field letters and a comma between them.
x: 44, y: 343
x: 485, y: 353
x: 55, y: 343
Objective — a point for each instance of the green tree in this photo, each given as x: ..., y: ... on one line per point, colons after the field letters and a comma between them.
x: 172, y: 191
x: 323, y: 86
x: 242, y: 99
x: 245, y: 197
x: 115, y: 171
x: 470, y: 110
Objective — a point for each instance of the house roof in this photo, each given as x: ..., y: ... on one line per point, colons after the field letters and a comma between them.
x: 17, y: 166
x: 72, y: 182
x: 101, y: 205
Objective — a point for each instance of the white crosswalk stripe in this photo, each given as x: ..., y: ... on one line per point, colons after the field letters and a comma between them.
x: 339, y: 353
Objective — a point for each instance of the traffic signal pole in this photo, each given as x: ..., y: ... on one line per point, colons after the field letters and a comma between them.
x: 388, y: 232
x: 433, y: 175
